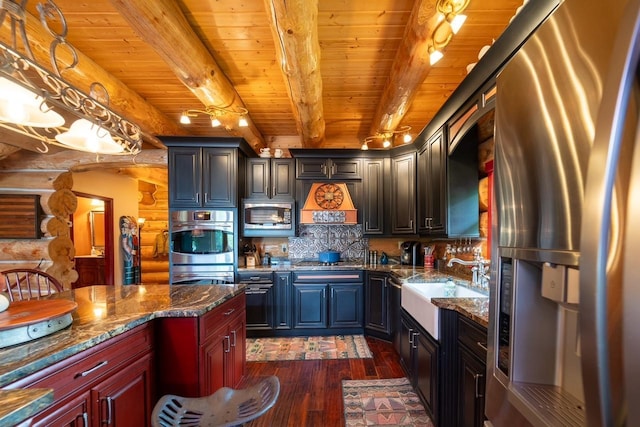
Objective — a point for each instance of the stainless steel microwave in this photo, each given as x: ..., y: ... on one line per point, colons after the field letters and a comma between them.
x: 268, y: 218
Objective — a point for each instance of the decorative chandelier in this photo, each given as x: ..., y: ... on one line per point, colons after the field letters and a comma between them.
x: 387, y: 136
x: 31, y: 97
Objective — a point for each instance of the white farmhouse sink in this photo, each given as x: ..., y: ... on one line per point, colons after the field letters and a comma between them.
x: 416, y: 299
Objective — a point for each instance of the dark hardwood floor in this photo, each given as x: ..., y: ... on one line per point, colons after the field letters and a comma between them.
x: 311, y: 390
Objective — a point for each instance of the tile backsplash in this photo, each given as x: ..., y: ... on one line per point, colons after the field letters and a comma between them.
x: 346, y: 239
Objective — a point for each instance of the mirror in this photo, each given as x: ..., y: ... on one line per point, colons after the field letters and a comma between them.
x: 96, y: 220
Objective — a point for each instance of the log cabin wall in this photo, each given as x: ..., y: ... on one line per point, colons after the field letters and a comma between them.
x: 29, y: 253
x: 153, y: 206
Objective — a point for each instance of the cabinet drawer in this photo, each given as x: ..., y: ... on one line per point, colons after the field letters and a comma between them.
x: 472, y: 336
x: 328, y: 276
x: 81, y: 370
x: 219, y: 316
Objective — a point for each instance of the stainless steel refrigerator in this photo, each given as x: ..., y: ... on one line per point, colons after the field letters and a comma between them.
x: 564, y: 329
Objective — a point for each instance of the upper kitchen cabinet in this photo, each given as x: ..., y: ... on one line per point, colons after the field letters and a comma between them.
x: 270, y: 178
x: 204, y: 172
x: 373, y: 203
x: 432, y: 186
x: 323, y: 168
x: 403, y: 193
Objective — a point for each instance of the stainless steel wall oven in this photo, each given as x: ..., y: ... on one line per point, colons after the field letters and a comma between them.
x: 202, y: 246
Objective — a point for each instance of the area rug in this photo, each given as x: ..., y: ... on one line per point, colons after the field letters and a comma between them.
x: 307, y: 348
x: 382, y: 402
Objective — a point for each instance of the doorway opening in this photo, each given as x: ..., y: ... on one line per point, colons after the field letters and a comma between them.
x: 92, y: 235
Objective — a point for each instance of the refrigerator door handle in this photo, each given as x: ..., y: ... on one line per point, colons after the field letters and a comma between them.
x: 596, y: 221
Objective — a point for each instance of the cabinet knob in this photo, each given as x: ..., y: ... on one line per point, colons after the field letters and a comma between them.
x: 234, y: 338
x: 227, y: 341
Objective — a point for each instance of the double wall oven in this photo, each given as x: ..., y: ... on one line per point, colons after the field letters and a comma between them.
x: 202, y: 247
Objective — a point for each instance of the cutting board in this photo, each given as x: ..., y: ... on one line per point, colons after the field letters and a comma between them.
x: 24, y: 313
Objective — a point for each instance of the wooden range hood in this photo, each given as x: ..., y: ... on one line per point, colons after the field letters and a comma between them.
x: 329, y: 203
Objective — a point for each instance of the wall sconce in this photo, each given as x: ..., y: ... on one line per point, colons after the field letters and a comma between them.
x: 387, y: 136
x: 214, y: 114
x: 31, y: 93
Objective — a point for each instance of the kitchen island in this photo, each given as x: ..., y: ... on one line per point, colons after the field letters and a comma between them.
x: 104, y: 313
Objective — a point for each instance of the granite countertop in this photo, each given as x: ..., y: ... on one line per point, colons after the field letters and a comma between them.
x: 476, y: 309
x: 103, y: 312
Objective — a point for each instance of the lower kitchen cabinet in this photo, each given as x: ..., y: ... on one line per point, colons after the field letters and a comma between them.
x: 310, y: 301
x: 116, y: 401
x: 260, y: 292
x: 419, y: 356
x: 222, y: 356
x: 472, y: 339
x: 110, y: 384
x: 327, y: 302
x: 345, y: 308
x: 269, y: 307
x: 283, y: 309
x: 198, y: 355
x: 377, y: 309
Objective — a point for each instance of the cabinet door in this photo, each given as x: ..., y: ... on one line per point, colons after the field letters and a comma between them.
x: 219, y: 176
x: 260, y: 306
x: 212, y: 361
x: 427, y: 373
x: 70, y: 413
x: 471, y: 390
x: 373, y: 206
x: 311, y: 168
x: 258, y: 181
x: 437, y: 180
x: 282, y: 178
x: 407, y: 333
x: 376, y: 312
x: 344, y: 168
x: 345, y: 310
x: 125, y: 398
x: 403, y: 202
x: 185, y: 177
x: 310, y: 306
x: 236, y: 359
x: 283, y: 310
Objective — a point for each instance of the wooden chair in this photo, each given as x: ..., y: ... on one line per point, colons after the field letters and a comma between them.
x: 27, y: 283
x: 226, y: 407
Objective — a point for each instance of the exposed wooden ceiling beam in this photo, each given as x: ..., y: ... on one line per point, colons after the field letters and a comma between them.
x: 122, y: 100
x: 410, y: 68
x: 294, y: 25
x: 163, y: 26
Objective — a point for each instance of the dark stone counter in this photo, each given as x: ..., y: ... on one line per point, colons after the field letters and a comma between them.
x: 103, y: 312
x: 476, y: 309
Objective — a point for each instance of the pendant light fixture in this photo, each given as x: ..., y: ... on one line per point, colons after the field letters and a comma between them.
x: 86, y: 136
x: 23, y: 107
x: 29, y: 92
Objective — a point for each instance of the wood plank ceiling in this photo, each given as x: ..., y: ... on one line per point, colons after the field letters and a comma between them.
x: 367, y: 71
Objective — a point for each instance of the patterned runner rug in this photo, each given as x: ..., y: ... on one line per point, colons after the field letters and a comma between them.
x: 382, y: 402
x: 307, y: 348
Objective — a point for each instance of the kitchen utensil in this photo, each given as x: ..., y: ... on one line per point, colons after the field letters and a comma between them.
x: 329, y: 256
